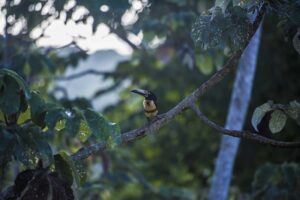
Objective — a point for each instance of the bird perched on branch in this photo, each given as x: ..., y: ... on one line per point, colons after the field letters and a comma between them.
x: 149, y: 103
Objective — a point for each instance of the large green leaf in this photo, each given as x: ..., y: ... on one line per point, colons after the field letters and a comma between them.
x: 84, y: 131
x: 277, y: 121
x: 73, y: 124
x: 10, y: 99
x: 41, y: 147
x: 264, y: 176
x: 32, y: 145
x: 63, y: 168
x: 205, y: 64
x: 78, y: 170
x: 259, y: 113
x: 23, y: 153
x: 294, y: 111
x: 53, y: 116
x: 37, y: 109
x: 19, y: 80
x: 98, y: 124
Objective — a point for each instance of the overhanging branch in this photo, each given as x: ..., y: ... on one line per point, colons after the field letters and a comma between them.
x: 84, y: 73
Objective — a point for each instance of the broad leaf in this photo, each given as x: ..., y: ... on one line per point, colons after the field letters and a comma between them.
x: 259, y: 113
x: 78, y: 171
x: 37, y: 109
x: 98, y: 124
x: 73, y: 124
x: 10, y: 98
x: 19, y: 80
x: 277, y: 121
x: 63, y: 168
x: 53, y: 116
x: 84, y: 131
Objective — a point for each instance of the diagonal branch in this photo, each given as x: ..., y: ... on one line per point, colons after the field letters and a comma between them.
x: 187, y: 103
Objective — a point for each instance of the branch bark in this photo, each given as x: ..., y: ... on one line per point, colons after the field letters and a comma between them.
x: 189, y: 102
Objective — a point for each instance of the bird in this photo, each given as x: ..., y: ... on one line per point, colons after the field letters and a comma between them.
x: 149, y: 103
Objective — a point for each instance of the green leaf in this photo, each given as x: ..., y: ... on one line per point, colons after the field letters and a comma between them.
x: 78, y: 170
x: 53, y: 116
x: 10, y: 99
x: 259, y: 113
x: 81, y: 171
x: 23, y: 153
x: 84, y: 131
x: 23, y: 102
x: 37, y: 109
x: 205, y: 64
x: 31, y: 146
x: 63, y: 168
x: 277, y: 121
x: 42, y: 148
x: 73, y: 124
x: 98, y: 124
x: 115, y: 133
x: 264, y: 176
x: 294, y: 111
x: 7, y: 142
x: 19, y: 80
x: 290, y: 175
x: 23, y: 116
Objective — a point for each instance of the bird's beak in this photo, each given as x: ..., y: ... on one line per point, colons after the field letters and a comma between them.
x: 139, y: 91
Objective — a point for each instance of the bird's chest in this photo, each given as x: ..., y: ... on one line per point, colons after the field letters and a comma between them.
x: 149, y: 105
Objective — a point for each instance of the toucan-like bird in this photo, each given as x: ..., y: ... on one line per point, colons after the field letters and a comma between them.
x: 149, y: 103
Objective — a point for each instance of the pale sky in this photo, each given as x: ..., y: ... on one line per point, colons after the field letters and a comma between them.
x: 60, y: 34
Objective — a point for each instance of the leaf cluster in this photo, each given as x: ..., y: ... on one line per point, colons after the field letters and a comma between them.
x: 28, y: 124
x: 274, y: 181
x: 279, y: 114
x: 219, y: 28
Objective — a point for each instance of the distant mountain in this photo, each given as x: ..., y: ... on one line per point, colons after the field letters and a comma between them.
x: 86, y: 86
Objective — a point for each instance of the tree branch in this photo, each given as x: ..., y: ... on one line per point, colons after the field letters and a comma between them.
x: 83, y: 73
x: 243, y: 134
x: 189, y: 102
x: 122, y: 35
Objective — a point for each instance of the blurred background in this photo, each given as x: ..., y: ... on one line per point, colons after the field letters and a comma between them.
x: 94, y: 52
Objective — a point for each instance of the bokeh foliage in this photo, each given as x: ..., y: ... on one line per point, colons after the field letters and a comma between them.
x: 177, y: 163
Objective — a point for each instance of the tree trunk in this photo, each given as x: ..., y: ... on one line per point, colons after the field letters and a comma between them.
x: 240, y: 99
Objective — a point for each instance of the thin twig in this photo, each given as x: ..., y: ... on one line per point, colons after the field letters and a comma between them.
x: 83, y: 73
x: 123, y: 36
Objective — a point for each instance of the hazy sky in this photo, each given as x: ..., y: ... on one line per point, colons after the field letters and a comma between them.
x: 59, y: 34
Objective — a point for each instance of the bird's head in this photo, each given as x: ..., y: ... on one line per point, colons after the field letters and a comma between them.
x: 145, y: 93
